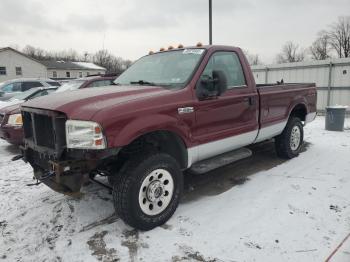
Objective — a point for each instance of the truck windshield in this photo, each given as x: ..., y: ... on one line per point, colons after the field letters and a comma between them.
x: 24, y: 95
x: 172, y: 68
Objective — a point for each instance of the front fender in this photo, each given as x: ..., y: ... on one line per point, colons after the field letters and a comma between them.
x: 148, y: 124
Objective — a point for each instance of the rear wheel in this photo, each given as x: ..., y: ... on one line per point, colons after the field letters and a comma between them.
x: 289, y: 143
x: 149, y: 190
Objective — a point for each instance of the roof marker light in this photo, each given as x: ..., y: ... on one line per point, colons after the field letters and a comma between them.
x: 170, y: 47
x: 199, y: 44
x: 162, y: 49
x: 180, y: 46
x: 151, y: 52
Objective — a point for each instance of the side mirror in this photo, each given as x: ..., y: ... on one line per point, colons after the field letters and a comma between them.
x: 221, y: 81
x: 209, y: 87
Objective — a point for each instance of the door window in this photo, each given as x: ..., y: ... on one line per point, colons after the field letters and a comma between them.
x: 28, y: 85
x: 229, y: 64
x: 53, y: 83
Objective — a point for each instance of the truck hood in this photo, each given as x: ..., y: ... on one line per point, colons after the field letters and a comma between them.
x: 84, y: 103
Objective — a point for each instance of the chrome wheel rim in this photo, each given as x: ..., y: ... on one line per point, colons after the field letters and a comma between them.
x: 156, y: 192
x: 295, y: 138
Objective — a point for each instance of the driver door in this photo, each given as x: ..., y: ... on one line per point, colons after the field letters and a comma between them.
x: 228, y: 121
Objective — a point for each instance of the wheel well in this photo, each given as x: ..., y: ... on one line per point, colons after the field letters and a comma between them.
x: 160, y: 141
x: 299, y: 111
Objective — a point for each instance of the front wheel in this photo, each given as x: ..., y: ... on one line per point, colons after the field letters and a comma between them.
x: 289, y: 143
x: 148, y: 191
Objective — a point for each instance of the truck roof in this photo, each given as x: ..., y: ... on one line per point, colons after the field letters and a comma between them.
x: 207, y: 47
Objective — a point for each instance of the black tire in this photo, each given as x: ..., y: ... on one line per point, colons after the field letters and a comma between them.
x: 114, y: 176
x: 126, y: 191
x: 283, y: 141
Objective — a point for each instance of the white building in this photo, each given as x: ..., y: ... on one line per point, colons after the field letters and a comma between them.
x: 14, y: 64
x: 61, y: 70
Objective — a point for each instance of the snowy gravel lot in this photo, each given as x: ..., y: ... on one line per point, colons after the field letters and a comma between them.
x: 259, y: 209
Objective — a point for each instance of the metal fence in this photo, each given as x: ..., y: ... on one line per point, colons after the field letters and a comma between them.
x: 332, y: 78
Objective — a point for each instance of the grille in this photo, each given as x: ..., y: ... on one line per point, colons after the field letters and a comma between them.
x: 44, y: 130
x: 45, y: 135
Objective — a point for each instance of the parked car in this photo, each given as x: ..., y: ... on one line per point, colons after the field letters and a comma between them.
x: 11, y: 128
x: 10, y: 114
x: 186, y: 108
x: 13, y: 87
x: 87, y: 82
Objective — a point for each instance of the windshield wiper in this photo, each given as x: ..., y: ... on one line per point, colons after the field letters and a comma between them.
x: 143, y: 83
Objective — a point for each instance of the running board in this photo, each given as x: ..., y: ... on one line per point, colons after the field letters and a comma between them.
x: 220, y: 160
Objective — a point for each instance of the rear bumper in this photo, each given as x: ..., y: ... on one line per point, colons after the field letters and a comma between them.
x: 13, y: 135
x: 310, y: 117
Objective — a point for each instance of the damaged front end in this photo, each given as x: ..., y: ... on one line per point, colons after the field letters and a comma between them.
x: 63, y: 170
x: 65, y: 177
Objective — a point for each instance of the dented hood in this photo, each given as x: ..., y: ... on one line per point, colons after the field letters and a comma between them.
x: 84, y: 103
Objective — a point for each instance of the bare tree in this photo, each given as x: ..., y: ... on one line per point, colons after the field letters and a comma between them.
x: 86, y: 56
x: 253, y: 59
x: 34, y: 52
x: 339, y: 34
x: 66, y: 55
x: 321, y: 47
x: 110, y: 62
x: 291, y: 52
x: 103, y: 58
x: 127, y: 63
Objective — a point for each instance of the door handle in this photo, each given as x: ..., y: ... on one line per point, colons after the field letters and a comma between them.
x: 249, y: 100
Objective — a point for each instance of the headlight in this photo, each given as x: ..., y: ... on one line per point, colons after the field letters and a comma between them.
x: 84, y: 135
x: 15, y: 120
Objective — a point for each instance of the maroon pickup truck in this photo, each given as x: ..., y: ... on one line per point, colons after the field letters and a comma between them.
x: 173, y: 110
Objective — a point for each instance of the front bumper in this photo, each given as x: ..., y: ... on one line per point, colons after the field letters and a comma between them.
x: 12, y: 134
x: 66, y: 175
x: 67, y: 184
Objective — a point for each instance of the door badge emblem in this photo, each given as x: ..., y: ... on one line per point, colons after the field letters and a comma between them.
x: 185, y: 110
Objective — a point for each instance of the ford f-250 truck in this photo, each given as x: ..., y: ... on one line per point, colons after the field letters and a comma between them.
x: 172, y: 110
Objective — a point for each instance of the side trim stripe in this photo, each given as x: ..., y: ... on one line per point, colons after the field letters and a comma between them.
x: 270, y: 131
x: 218, y: 147
x: 208, y: 150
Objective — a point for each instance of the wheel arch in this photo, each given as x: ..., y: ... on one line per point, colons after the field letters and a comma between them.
x: 161, y: 141
x: 299, y: 110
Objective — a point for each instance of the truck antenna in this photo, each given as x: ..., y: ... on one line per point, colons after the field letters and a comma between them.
x: 210, y: 23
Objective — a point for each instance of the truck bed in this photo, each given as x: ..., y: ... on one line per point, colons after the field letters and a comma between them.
x: 275, y: 97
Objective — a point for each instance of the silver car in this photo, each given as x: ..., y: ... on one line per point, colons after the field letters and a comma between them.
x: 14, y: 87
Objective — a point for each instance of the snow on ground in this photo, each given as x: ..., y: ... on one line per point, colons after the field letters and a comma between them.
x: 259, y: 209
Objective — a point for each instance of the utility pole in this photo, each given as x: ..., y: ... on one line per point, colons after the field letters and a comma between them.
x: 210, y: 23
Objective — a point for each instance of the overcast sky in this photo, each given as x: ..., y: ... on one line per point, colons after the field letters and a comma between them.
x: 130, y: 28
